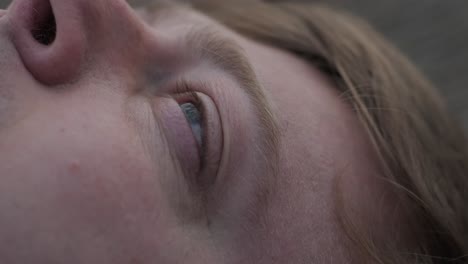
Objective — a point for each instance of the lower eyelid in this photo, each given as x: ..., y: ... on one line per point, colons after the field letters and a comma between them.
x: 179, y: 136
x: 201, y: 167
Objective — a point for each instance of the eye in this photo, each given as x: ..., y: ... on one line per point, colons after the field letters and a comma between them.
x: 193, y: 109
x: 196, y: 131
x: 194, y: 117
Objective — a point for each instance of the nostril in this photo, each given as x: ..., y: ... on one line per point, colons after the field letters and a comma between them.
x: 50, y: 37
x: 43, y: 27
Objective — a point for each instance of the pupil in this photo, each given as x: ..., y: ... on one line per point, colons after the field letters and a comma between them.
x: 191, y: 112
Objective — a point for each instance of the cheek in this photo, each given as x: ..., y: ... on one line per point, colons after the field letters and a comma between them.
x: 78, y: 183
x: 106, y: 178
x: 87, y: 183
x: 102, y: 186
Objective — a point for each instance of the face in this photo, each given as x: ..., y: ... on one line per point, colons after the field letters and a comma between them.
x: 160, y: 136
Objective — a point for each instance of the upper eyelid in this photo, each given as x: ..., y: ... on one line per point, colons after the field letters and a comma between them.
x: 226, y: 54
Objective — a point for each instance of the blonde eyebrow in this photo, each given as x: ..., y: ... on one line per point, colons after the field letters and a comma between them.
x: 226, y: 54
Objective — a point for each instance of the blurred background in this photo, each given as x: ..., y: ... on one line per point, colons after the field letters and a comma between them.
x: 433, y: 33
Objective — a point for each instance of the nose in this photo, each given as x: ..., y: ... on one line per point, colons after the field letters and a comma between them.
x: 53, y: 37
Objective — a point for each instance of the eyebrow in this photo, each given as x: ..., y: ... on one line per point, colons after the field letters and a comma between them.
x: 225, y: 53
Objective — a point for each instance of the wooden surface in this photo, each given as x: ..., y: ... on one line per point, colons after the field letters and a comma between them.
x: 433, y: 33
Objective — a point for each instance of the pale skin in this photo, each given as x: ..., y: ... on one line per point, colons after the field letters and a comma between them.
x: 99, y: 165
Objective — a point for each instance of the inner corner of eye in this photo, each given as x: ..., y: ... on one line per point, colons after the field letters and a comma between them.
x: 182, y: 99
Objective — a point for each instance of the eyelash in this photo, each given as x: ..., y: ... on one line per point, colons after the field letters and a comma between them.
x: 184, y: 93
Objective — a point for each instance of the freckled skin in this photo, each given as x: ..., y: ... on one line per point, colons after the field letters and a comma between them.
x: 87, y: 177
x: 74, y: 167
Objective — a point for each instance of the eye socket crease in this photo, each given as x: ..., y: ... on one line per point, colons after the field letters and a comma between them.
x: 225, y: 53
x: 206, y: 43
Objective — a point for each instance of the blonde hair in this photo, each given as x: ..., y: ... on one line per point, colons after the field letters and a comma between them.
x: 422, y: 150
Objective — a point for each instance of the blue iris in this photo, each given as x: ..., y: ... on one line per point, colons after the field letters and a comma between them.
x: 194, y: 118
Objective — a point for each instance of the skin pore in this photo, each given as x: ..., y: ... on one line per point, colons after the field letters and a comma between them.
x: 98, y: 163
